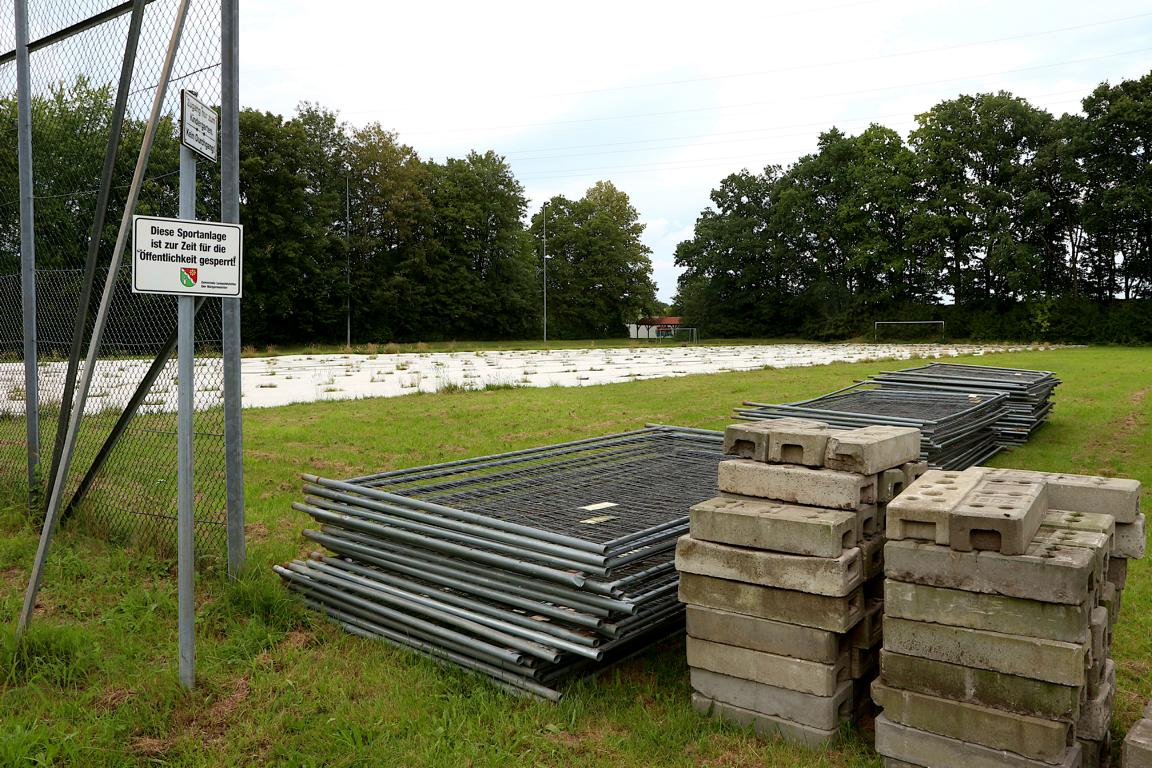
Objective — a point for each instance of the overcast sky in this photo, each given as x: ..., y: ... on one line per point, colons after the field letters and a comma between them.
x: 664, y: 99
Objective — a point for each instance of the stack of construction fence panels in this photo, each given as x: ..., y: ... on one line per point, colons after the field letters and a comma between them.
x: 781, y: 574
x: 1138, y: 743
x: 1002, y: 589
x: 1029, y: 392
x: 957, y: 430
x: 529, y: 566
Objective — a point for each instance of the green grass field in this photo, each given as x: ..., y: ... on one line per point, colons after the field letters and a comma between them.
x: 96, y: 683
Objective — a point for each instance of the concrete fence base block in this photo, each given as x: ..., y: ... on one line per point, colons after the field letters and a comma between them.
x: 935, y: 751
x: 1115, y: 496
x: 796, y: 485
x: 780, y: 671
x: 769, y: 525
x: 830, y: 576
x: 823, y: 712
x: 1130, y: 540
x: 1096, y: 714
x: 1031, y: 737
x: 988, y: 688
x: 871, y: 450
x: 1138, y: 745
x: 835, y: 614
x: 774, y: 637
x: 1048, y: 572
x: 766, y: 725
x: 1048, y: 660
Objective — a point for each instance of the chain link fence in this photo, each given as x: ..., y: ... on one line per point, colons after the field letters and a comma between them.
x: 122, y: 481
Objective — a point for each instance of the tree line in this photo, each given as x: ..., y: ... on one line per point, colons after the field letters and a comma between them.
x: 348, y: 223
x: 994, y: 215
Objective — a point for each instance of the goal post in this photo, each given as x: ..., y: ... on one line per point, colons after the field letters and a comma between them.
x: 905, y: 324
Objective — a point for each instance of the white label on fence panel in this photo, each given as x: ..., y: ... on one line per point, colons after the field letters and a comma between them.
x: 189, y: 258
x: 198, y: 127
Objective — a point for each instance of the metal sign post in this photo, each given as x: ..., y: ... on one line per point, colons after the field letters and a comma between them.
x: 188, y: 258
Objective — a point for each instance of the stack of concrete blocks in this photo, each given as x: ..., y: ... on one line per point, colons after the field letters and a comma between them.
x: 1002, y: 588
x: 782, y: 574
x: 1138, y: 743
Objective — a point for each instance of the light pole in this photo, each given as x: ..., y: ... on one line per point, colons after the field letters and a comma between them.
x: 545, y: 214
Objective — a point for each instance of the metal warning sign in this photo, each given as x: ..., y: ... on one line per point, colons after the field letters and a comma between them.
x: 188, y: 258
x: 198, y: 125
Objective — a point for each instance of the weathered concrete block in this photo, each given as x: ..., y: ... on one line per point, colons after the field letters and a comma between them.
x: 864, y: 663
x: 799, y: 445
x: 889, y: 484
x: 1101, y: 633
x: 1130, y: 539
x: 872, y: 556
x: 998, y: 515
x: 1096, y: 714
x: 874, y: 588
x: 1115, y: 496
x: 797, y: 485
x: 749, y: 522
x: 913, y: 470
x: 981, y: 686
x: 868, y: 522
x: 1082, y: 521
x: 1037, y: 658
x: 1097, y: 754
x: 1117, y: 573
x: 768, y: 668
x: 871, y: 450
x: 891, y: 762
x: 1032, y: 737
x: 766, y: 725
x: 1096, y: 543
x: 1148, y: 711
x: 921, y: 511
x: 870, y: 631
x: 835, y: 614
x: 775, y: 637
x: 831, y: 576
x: 749, y: 439
x: 1138, y: 746
x: 1048, y: 572
x: 935, y: 751
x: 974, y: 610
x: 824, y: 712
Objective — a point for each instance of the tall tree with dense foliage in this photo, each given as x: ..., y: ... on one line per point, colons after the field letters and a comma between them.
x: 599, y: 270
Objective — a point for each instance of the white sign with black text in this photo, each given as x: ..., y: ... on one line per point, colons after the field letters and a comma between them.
x: 187, y: 258
x: 198, y: 125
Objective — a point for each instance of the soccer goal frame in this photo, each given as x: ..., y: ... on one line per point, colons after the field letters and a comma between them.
x: 876, y: 326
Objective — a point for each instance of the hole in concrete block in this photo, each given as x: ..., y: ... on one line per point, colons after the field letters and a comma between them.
x: 914, y: 529
x: 984, y: 540
x: 896, y: 489
x: 744, y: 448
x: 791, y: 454
x: 869, y: 526
x: 848, y: 540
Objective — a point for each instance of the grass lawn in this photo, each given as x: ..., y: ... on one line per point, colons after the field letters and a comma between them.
x: 96, y: 685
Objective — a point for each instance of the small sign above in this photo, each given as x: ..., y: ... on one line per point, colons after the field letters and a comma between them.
x: 198, y: 125
x: 186, y: 258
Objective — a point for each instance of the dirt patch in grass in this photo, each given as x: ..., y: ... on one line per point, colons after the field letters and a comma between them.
x: 256, y: 531
x: 113, y: 698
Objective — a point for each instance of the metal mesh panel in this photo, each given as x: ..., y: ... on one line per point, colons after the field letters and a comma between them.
x: 73, y: 85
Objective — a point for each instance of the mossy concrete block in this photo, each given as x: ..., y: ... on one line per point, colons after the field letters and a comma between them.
x: 769, y: 525
x: 780, y: 638
x: 797, y: 485
x: 1031, y: 737
x: 830, y: 576
x: 975, y: 610
x: 1115, y: 496
x: 1130, y: 539
x: 1096, y: 714
x: 1117, y: 573
x: 1049, y: 660
x: 779, y: 671
x: 824, y: 712
x: 835, y: 614
x: 1048, y: 571
x: 989, y: 688
x: 998, y: 515
x: 921, y: 511
x: 766, y: 725
x: 935, y: 751
x: 871, y: 450
x: 1138, y: 745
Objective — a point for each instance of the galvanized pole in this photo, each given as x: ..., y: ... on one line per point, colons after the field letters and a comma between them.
x: 52, y: 512
x: 27, y: 245
x: 185, y: 524
x: 348, y: 258
x: 230, y: 308
x: 545, y: 214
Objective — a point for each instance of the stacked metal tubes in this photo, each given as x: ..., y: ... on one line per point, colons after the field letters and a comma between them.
x: 528, y: 567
